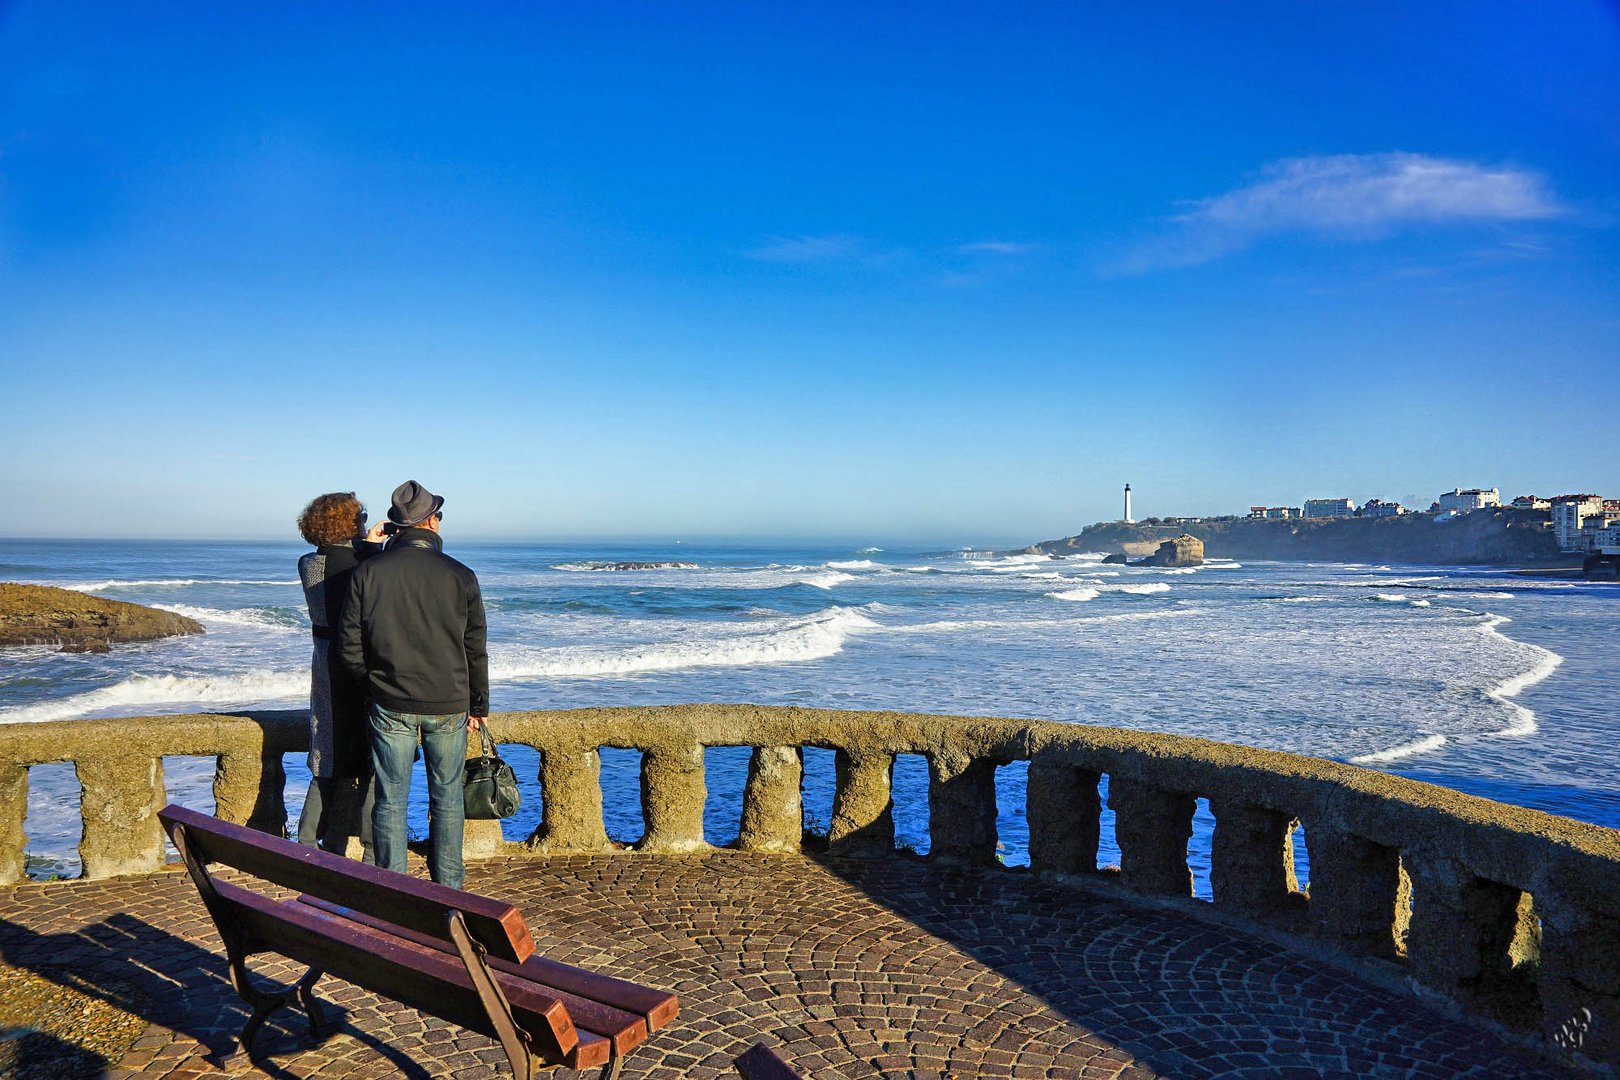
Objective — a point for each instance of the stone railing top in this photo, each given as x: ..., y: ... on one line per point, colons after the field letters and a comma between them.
x: 1507, y: 843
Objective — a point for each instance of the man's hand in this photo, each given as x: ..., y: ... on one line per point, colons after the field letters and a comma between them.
x: 476, y: 723
x: 375, y: 534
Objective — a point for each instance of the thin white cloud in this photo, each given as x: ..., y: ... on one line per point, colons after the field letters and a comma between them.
x: 1355, y: 195
x: 808, y: 249
x: 996, y: 247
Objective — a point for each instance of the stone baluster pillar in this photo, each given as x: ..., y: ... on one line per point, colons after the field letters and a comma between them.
x: 672, y: 798
x: 1065, y: 817
x: 1152, y: 827
x: 571, y: 802
x: 862, y: 824
x: 962, y: 808
x: 1252, y: 859
x: 13, y: 818
x: 773, y: 813
x: 237, y: 776
x: 1463, y: 927
x: 1356, y: 890
x: 267, y: 783
x: 1579, y: 977
x: 119, y: 805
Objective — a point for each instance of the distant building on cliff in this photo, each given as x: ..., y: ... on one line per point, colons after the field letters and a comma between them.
x: 1329, y: 508
x: 1129, y: 520
x: 1532, y: 502
x: 1570, y: 514
x: 1283, y: 513
x: 1378, y: 508
x: 1464, y: 500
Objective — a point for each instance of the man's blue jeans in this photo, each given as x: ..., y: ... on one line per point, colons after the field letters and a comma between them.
x: 394, y: 737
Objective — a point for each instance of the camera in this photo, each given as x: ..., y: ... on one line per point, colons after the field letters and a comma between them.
x: 389, y: 528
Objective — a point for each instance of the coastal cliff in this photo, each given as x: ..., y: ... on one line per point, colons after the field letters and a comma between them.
x: 1482, y: 538
x: 41, y: 615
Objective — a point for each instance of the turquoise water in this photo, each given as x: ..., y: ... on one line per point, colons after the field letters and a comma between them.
x: 1471, y: 678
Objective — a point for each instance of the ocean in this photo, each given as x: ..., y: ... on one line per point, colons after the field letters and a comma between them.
x: 1472, y: 678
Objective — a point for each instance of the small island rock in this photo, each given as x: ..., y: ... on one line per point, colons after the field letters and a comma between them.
x: 1184, y: 550
x: 42, y: 615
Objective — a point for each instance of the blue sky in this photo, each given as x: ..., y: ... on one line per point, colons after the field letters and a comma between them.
x: 932, y: 272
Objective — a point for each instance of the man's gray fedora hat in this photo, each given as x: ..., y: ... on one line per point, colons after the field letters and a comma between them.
x: 413, y: 504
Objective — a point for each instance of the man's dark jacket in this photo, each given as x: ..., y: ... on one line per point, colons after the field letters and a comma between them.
x: 413, y: 629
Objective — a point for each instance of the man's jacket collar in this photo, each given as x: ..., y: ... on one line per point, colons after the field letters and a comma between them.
x: 414, y: 537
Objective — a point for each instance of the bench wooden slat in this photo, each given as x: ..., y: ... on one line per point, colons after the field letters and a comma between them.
x: 422, y: 906
x: 625, y: 1029
x: 412, y: 974
x: 591, y: 1048
x: 655, y: 1007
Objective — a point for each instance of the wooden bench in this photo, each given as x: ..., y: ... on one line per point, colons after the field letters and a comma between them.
x: 456, y: 955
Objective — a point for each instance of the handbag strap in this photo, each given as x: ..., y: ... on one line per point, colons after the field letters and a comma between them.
x: 488, y: 741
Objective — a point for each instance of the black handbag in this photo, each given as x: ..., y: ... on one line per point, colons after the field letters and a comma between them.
x: 490, y: 789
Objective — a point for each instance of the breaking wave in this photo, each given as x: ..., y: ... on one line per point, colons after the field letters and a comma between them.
x: 249, y: 688
x: 814, y: 637
x: 260, y: 618
x: 117, y: 583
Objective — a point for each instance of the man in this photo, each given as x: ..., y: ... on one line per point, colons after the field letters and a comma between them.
x: 413, y: 630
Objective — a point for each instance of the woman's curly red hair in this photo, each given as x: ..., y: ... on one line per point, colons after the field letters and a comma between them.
x: 331, y: 519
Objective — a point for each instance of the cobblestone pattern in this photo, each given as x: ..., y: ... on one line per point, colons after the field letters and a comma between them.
x: 851, y: 968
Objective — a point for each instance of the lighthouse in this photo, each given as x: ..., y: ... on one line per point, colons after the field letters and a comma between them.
x: 1128, y: 519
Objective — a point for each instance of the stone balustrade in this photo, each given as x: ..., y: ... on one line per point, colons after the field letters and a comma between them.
x: 1494, y: 908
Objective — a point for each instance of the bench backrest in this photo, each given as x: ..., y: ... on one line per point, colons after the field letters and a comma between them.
x: 422, y: 906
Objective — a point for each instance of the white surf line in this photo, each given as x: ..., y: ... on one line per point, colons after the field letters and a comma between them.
x: 1405, y: 750
x: 1524, y: 719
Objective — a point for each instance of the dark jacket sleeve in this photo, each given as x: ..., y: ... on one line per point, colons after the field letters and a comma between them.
x: 477, y: 654
x: 351, y: 646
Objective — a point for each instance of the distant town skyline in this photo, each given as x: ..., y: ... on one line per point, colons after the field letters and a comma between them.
x: 948, y: 274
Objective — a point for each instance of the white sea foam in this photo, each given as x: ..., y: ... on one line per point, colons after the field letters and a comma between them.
x: 247, y: 688
x: 1547, y: 661
x: 953, y: 625
x: 1419, y: 603
x: 258, y: 618
x: 1405, y: 750
x: 827, y: 580
x: 852, y: 564
x: 812, y: 637
x: 1390, y: 597
x: 1093, y: 589
x: 117, y: 583
x: 1521, y: 720
x: 1084, y: 592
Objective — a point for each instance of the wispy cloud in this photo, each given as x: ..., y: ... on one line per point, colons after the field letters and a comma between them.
x: 809, y: 249
x: 1348, y: 195
x: 996, y: 247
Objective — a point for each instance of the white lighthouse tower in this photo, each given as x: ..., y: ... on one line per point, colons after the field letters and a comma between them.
x: 1128, y: 519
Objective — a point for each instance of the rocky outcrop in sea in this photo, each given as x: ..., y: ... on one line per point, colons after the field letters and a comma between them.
x: 42, y: 615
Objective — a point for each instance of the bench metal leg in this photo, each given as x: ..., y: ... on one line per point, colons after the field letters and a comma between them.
x: 306, y: 998
x: 610, y: 1071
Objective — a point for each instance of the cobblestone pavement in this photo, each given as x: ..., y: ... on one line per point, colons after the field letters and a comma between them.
x: 852, y: 969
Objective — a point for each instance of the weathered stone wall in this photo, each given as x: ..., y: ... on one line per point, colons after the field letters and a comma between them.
x: 1497, y: 908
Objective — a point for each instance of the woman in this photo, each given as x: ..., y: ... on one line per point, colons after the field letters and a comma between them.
x: 339, y: 755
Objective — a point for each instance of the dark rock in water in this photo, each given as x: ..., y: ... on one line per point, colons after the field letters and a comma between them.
x: 41, y: 615
x: 1182, y: 551
x: 1116, y: 559
x: 649, y: 566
